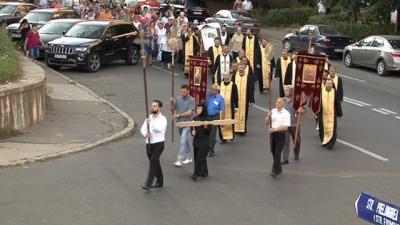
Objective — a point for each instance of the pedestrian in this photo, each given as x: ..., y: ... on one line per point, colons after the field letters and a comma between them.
x: 282, y: 65
x: 236, y: 43
x: 230, y: 93
x: 250, y: 45
x: 337, y: 82
x: 148, y: 46
x: 201, y: 142
x: 330, y: 109
x: 153, y: 129
x: 184, y: 106
x: 264, y: 66
x: 291, y: 131
x: 42, y: 4
x: 247, y: 5
x: 321, y: 8
x: 32, y: 42
x: 280, y: 121
x: 24, y: 28
x: 215, y: 105
x: 237, y: 5
x: 166, y: 52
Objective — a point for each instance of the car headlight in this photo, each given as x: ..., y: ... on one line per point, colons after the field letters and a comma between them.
x: 81, y: 49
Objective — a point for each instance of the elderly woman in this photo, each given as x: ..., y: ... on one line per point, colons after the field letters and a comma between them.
x: 166, y: 52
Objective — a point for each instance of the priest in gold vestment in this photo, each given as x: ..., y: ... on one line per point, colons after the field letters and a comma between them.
x: 280, y: 72
x: 212, y: 53
x: 222, y: 64
x: 190, y: 47
x: 265, y: 64
x: 330, y: 110
x: 245, y: 86
x: 250, y: 45
x: 230, y: 93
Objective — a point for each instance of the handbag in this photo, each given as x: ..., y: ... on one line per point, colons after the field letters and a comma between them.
x: 159, y: 56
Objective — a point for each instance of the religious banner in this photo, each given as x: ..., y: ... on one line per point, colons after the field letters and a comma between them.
x: 198, y: 71
x: 308, y: 80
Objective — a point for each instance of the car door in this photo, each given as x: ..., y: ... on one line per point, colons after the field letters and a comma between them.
x: 358, y: 52
x: 295, y: 39
x: 373, y: 52
x: 305, y: 38
x: 108, y: 44
x: 120, y: 39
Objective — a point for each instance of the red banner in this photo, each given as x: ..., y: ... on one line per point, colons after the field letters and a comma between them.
x: 198, y: 73
x: 308, y: 80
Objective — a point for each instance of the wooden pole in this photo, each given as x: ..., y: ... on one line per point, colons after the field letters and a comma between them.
x: 309, y: 45
x: 173, y: 92
x: 269, y: 118
x: 298, y: 123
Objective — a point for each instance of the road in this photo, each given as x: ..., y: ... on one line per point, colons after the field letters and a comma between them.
x: 102, y: 186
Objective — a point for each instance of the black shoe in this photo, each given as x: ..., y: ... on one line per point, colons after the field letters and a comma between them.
x: 204, y: 175
x: 145, y: 187
x: 296, y: 157
x: 211, y: 154
x: 329, y: 146
x: 285, y: 162
x: 223, y: 142
x: 157, y: 185
x: 194, y: 177
x: 273, y: 174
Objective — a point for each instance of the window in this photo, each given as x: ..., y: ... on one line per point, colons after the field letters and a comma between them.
x: 7, y: 9
x: 196, y: 3
x: 303, y: 30
x: 394, y: 43
x: 242, y: 15
x: 326, y: 30
x: 82, y: 31
x: 378, y: 42
x: 38, y: 17
x: 312, y: 31
x: 21, y: 10
x: 56, y: 28
x: 366, y: 41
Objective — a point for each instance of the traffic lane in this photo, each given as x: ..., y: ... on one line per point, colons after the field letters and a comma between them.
x: 127, y: 84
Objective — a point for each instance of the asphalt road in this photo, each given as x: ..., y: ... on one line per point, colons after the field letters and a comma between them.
x: 102, y: 186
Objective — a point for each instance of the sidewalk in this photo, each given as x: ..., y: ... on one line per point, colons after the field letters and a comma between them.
x: 77, y: 120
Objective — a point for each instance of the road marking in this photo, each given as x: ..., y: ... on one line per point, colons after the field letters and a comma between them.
x: 397, y: 117
x: 380, y: 111
x: 388, y: 111
x: 363, y: 150
x: 352, y: 78
x: 355, y: 102
x: 167, y: 71
x: 343, y: 142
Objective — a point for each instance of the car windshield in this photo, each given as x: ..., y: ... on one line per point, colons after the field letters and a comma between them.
x: 330, y: 31
x: 394, y: 43
x: 38, y: 17
x: 242, y: 15
x: 7, y: 9
x: 85, y: 31
x: 197, y: 3
x: 56, y: 28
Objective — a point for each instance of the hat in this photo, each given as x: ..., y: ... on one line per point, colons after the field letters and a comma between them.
x: 196, y: 22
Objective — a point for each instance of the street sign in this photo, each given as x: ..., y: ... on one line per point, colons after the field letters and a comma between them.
x: 376, y: 211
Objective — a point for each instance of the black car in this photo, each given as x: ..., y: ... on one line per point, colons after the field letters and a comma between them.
x: 55, y: 29
x: 193, y: 9
x: 89, y: 44
x: 12, y: 12
x: 41, y: 17
x: 325, y: 38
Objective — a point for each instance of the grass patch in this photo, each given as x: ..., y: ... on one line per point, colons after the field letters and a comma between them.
x: 9, y: 61
x: 4, y: 134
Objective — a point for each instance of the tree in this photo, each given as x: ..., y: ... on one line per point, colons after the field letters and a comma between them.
x: 382, y: 9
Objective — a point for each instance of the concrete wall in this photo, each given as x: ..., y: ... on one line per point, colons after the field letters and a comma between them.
x: 22, y: 103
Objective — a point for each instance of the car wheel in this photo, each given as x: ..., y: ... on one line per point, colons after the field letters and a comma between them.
x: 94, y: 62
x: 348, y: 60
x: 286, y: 45
x: 132, y: 57
x: 381, y: 68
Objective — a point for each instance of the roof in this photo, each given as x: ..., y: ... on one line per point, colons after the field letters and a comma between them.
x: 16, y: 3
x: 319, y: 25
x: 51, y: 10
x: 388, y: 37
x: 105, y: 22
x: 72, y: 20
x: 231, y: 10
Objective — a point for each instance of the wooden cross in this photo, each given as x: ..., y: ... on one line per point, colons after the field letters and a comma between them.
x: 142, y: 41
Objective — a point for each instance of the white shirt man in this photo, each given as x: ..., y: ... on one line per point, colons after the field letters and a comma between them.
x: 183, y: 17
x: 321, y: 8
x: 247, y: 5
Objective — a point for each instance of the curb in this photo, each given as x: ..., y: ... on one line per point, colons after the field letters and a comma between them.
x: 128, y: 131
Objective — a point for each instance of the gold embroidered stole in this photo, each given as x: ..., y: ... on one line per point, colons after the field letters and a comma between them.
x: 328, y: 113
x: 240, y: 116
x: 226, y: 92
x: 216, y: 52
x: 250, y: 50
x: 335, y: 81
x: 224, y: 65
x: 246, y: 70
x: 293, y: 72
x: 265, y: 65
x: 284, y: 65
x: 188, y: 51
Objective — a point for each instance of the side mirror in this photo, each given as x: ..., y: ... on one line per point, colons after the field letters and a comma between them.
x: 64, y: 32
x: 296, y: 32
x: 357, y: 44
x: 108, y: 36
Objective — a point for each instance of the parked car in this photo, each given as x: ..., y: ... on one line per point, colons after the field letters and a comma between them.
x: 41, y: 17
x: 193, y: 9
x: 12, y: 12
x: 90, y: 44
x: 325, y: 38
x: 234, y: 19
x: 55, y: 29
x: 377, y: 52
x: 150, y: 4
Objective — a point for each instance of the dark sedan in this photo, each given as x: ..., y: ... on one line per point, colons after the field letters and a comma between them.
x: 325, y: 38
x: 233, y: 19
x: 55, y: 29
x: 12, y: 12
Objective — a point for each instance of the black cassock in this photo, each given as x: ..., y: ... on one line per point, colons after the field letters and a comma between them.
x: 258, y: 71
x: 249, y: 96
x: 217, y: 67
x: 278, y: 74
x: 337, y: 113
x: 234, y: 104
x: 201, y: 146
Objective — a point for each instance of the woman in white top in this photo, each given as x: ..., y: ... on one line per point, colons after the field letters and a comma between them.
x: 166, y: 50
x: 236, y: 42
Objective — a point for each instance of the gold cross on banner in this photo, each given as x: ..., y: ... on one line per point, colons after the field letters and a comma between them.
x: 142, y: 41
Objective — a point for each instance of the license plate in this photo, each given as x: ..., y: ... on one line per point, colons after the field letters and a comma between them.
x: 247, y: 24
x: 15, y: 35
x: 338, y: 50
x: 60, y: 56
x: 197, y: 13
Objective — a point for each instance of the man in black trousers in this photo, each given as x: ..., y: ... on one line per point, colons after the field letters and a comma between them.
x: 153, y: 129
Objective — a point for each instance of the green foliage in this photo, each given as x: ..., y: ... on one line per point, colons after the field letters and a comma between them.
x: 9, y: 61
x: 284, y: 17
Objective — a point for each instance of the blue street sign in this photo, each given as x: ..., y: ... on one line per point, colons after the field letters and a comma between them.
x: 376, y: 211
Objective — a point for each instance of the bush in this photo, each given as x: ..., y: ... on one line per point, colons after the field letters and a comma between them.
x: 330, y: 18
x: 359, y: 31
x: 9, y: 61
x: 285, y: 17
